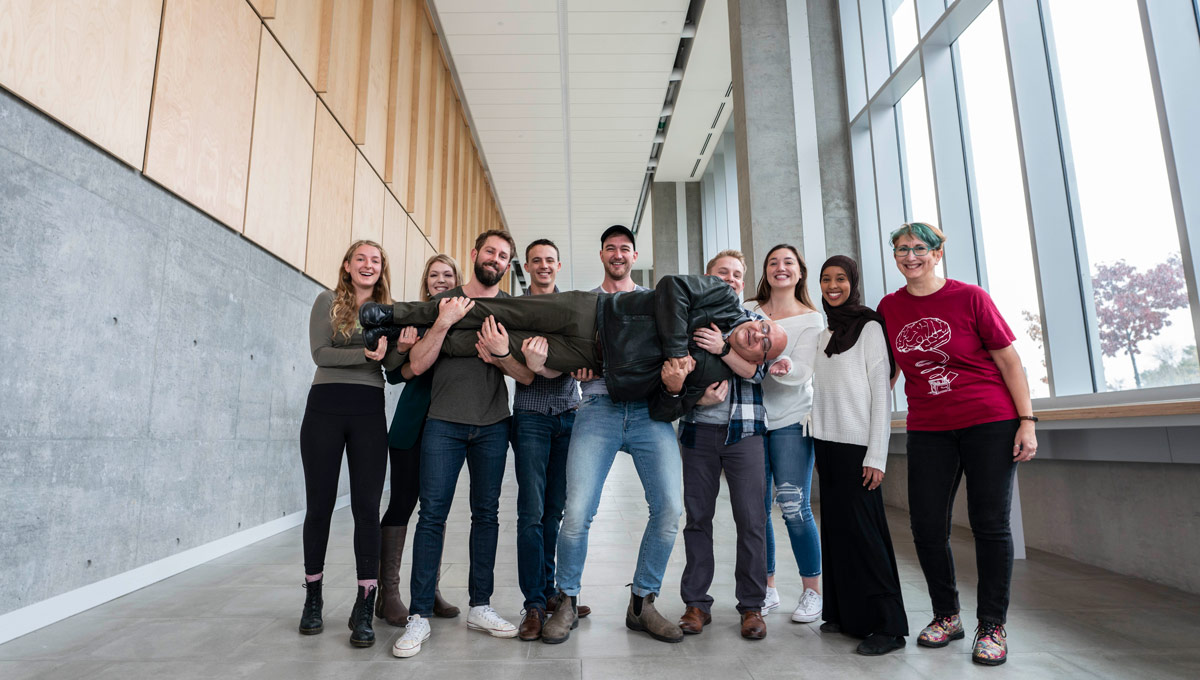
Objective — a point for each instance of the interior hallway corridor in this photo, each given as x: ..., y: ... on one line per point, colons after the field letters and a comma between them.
x: 236, y: 617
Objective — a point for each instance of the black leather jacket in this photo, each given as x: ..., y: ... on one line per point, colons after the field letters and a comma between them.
x: 639, y: 330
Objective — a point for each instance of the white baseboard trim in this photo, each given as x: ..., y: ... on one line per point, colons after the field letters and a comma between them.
x: 28, y: 619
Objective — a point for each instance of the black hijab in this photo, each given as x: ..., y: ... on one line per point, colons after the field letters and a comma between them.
x: 848, y: 319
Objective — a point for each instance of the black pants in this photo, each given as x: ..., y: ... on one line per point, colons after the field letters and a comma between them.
x: 743, y: 466
x: 936, y: 463
x: 348, y: 417
x: 566, y: 320
x: 862, y: 584
x: 406, y: 484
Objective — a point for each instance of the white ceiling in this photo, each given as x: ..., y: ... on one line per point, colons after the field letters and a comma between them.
x: 704, y: 102
x: 565, y: 96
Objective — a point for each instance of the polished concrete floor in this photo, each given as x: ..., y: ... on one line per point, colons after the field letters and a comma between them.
x: 236, y: 618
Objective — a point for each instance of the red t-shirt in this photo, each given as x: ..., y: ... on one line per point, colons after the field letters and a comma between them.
x: 941, y: 342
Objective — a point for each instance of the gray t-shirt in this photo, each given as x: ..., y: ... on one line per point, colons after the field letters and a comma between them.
x: 466, y: 390
x: 715, y: 414
x: 598, y: 386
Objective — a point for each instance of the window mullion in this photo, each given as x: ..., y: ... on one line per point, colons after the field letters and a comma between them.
x: 1172, y: 32
x: 1064, y: 294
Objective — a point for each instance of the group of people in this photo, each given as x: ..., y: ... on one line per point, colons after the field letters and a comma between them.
x: 763, y: 392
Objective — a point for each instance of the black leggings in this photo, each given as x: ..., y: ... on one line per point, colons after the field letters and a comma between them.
x: 337, y: 417
x: 406, y: 484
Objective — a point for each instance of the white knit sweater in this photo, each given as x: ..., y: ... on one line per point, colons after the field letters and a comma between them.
x: 788, y: 398
x: 852, y: 396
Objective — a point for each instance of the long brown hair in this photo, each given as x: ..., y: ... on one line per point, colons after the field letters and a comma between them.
x: 344, y: 313
x: 446, y: 260
x: 763, y: 294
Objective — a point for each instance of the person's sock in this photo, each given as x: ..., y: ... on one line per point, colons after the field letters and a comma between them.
x: 309, y: 578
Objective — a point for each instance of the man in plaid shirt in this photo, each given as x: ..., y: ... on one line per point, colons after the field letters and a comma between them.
x: 725, y: 432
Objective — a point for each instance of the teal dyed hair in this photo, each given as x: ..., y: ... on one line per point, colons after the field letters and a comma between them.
x: 922, y: 231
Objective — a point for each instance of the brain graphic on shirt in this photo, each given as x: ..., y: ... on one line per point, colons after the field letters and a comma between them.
x: 923, y: 334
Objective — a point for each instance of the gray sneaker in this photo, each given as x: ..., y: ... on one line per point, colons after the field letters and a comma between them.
x: 651, y: 622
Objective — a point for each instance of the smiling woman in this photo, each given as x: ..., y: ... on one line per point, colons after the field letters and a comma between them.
x: 345, y: 411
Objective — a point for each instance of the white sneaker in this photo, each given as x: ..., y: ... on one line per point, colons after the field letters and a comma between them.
x: 772, y: 601
x: 416, y: 632
x: 810, y: 606
x: 486, y: 619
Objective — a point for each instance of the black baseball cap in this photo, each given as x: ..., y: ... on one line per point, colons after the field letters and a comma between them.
x: 618, y: 230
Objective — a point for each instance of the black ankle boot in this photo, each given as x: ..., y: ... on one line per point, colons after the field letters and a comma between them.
x: 310, y: 620
x: 374, y: 314
x: 371, y: 336
x: 362, y: 635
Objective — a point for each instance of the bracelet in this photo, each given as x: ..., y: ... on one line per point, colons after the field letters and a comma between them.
x: 1032, y: 419
x: 500, y: 356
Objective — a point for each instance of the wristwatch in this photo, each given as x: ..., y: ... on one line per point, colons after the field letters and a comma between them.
x: 1032, y: 419
x: 726, y: 350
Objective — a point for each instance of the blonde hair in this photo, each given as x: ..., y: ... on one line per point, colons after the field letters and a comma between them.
x: 736, y: 254
x: 344, y: 313
x: 444, y: 259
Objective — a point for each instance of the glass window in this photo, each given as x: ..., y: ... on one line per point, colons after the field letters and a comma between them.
x: 1114, y: 147
x: 902, y: 28
x: 995, y: 176
x: 920, y: 198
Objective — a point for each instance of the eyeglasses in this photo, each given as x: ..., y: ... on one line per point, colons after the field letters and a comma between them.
x: 766, y: 339
x: 903, y: 251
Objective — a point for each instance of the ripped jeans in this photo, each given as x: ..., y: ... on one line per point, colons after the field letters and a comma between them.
x: 789, y: 463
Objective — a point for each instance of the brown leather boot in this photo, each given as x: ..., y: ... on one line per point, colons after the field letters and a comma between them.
x: 582, y: 610
x: 531, y: 624
x: 753, y: 626
x: 694, y: 620
x: 441, y: 608
x: 650, y: 621
x: 389, y: 606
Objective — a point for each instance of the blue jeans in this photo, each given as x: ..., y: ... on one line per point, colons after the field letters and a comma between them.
x: 444, y: 447
x: 602, y: 428
x: 790, y: 466
x: 540, y: 445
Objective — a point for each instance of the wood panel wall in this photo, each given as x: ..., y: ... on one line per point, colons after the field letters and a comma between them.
x: 302, y: 124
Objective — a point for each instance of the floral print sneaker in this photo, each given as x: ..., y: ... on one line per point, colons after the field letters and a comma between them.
x: 991, y: 646
x: 941, y: 630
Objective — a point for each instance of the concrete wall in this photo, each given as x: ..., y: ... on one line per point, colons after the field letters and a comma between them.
x: 1139, y: 519
x: 156, y: 367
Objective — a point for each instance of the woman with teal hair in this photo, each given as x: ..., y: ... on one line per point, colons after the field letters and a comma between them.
x: 969, y: 413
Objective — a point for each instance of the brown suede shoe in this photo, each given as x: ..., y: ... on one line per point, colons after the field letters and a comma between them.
x: 531, y: 624
x: 650, y: 621
x: 753, y: 626
x: 581, y: 610
x: 559, y: 626
x: 694, y: 620
x: 389, y: 606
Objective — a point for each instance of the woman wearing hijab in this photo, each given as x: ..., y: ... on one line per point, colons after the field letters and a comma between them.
x: 851, y: 420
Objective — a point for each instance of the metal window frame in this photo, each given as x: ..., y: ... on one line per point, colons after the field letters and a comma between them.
x: 1172, y: 35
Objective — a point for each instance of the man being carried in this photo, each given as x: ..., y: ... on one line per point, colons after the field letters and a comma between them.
x: 640, y: 341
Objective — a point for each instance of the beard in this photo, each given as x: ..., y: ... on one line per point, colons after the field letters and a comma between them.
x: 487, y: 276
